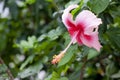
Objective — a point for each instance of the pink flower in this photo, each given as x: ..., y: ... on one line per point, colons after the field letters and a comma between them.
x: 84, y: 29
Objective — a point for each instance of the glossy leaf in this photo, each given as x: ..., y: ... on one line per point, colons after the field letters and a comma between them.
x: 98, y: 6
x: 92, y: 53
x: 31, y: 70
x: 29, y: 60
x: 114, y: 37
x: 67, y: 57
x: 54, y: 34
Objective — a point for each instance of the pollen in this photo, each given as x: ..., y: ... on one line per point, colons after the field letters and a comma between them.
x: 57, y: 58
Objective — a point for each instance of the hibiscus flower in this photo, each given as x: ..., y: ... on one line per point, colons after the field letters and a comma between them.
x: 83, y: 30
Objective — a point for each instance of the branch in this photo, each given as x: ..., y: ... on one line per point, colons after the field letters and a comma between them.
x: 7, y: 71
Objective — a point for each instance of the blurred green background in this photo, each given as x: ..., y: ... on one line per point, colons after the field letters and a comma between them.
x: 31, y: 32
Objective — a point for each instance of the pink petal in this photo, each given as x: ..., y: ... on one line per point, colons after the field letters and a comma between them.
x: 91, y: 40
x: 84, y: 25
x: 89, y: 20
x: 67, y: 19
x: 78, y: 39
x: 73, y: 32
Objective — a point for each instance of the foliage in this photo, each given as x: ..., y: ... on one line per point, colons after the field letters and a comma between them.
x: 33, y: 33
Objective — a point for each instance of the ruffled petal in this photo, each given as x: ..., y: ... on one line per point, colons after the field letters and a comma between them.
x: 91, y: 40
x: 86, y: 24
x: 89, y: 20
x: 67, y: 17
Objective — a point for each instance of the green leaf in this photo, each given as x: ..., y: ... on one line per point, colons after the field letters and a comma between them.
x: 26, y: 45
x: 111, y: 69
x: 114, y: 37
x: 42, y: 37
x: 4, y: 76
x: 116, y: 75
x: 92, y: 53
x: 31, y: 70
x: 68, y: 55
x: 63, y: 78
x: 49, y: 0
x: 13, y: 9
x: 2, y: 41
x: 30, y: 1
x: 72, y: 2
x: 55, y: 33
x: 75, y: 75
x: 49, y: 77
x: 3, y: 68
x: 67, y: 38
x: 98, y: 6
x: 29, y: 60
x: 45, y: 59
x: 55, y: 76
x: 77, y: 9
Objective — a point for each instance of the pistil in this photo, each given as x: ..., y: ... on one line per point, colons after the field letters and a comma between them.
x: 57, y: 58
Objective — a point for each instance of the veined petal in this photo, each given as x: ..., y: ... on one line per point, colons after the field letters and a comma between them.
x: 89, y: 20
x: 72, y: 34
x: 67, y: 17
x: 91, y: 40
x: 79, y: 39
x: 85, y: 24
